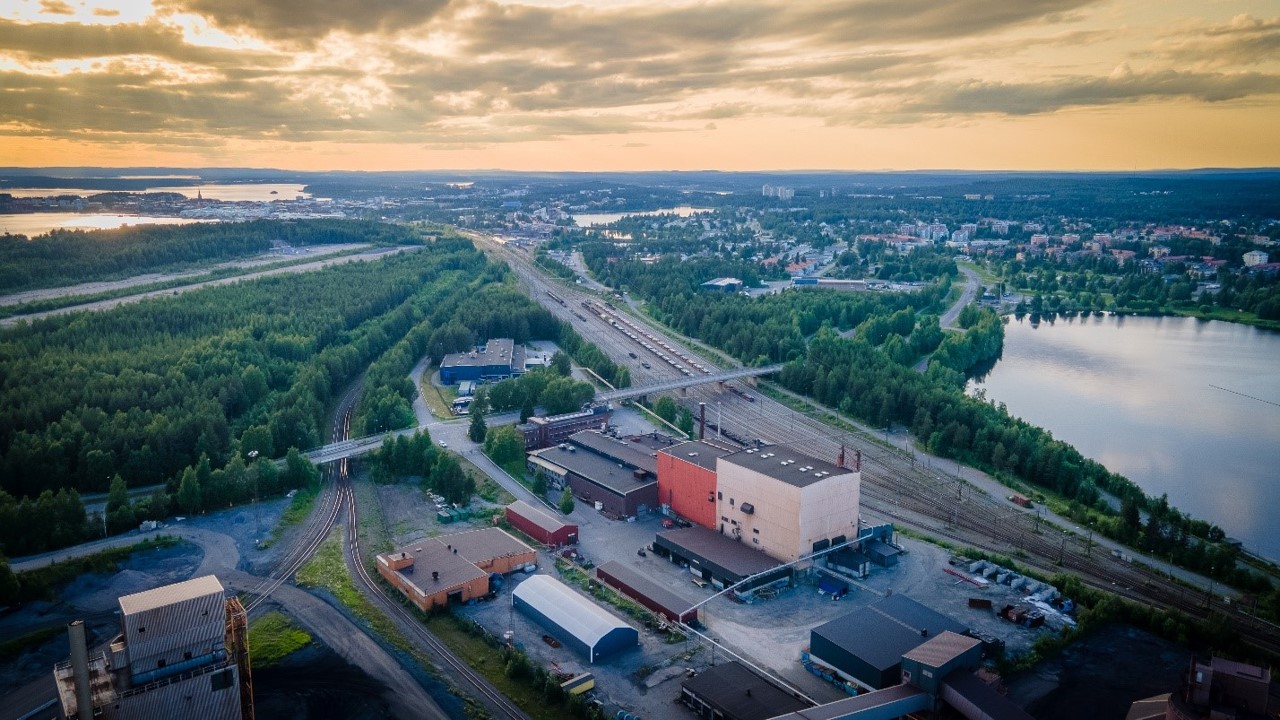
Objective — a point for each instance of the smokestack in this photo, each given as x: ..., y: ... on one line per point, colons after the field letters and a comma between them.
x: 840, y: 457
x: 702, y: 420
x: 857, y: 461
x: 80, y: 669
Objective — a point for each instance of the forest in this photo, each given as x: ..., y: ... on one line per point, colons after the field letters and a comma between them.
x: 65, y: 257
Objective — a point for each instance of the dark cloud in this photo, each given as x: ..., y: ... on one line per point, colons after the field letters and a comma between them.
x: 1055, y: 94
x: 1245, y: 40
x: 70, y: 40
x: 308, y: 20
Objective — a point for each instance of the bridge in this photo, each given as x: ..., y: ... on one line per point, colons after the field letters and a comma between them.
x: 685, y: 382
x: 359, y: 446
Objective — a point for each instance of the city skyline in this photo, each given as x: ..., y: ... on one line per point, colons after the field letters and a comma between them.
x: 549, y: 85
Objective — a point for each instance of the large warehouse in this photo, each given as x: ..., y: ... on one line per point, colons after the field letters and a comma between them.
x: 715, y: 558
x: 648, y: 593
x: 866, y: 646
x: 499, y: 358
x: 687, y: 480
x: 574, y: 619
x: 618, y: 476
x: 541, y: 526
x: 786, y: 503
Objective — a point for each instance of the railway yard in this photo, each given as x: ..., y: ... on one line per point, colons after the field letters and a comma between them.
x: 896, y: 487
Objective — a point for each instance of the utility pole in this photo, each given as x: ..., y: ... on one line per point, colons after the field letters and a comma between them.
x: 257, y: 511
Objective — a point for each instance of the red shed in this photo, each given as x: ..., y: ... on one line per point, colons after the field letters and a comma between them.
x: 541, y: 526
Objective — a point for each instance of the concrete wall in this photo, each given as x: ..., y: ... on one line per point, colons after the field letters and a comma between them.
x: 686, y: 487
x: 774, y: 524
x: 829, y: 509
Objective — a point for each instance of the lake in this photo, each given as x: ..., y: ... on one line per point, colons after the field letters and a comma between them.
x: 589, y: 219
x: 32, y: 224
x: 1178, y: 405
x: 228, y: 192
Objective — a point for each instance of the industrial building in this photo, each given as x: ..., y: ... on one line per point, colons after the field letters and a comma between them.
x: 723, y: 284
x: 786, y: 503
x: 574, y: 619
x: 687, y: 480
x: 540, y: 432
x: 732, y: 692
x: 618, y: 476
x: 648, y: 593
x: 453, y: 569
x: 541, y: 526
x: 716, y: 559
x: 498, y: 359
x: 1219, y: 688
x: 866, y: 646
x: 182, y: 652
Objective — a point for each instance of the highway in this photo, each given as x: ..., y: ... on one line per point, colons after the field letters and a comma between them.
x: 895, y: 487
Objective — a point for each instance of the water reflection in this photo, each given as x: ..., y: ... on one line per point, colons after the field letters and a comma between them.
x: 1152, y: 399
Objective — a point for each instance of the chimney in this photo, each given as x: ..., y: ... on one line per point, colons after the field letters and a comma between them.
x: 702, y: 420
x: 435, y: 575
x: 80, y: 669
x: 857, y: 461
x: 840, y: 457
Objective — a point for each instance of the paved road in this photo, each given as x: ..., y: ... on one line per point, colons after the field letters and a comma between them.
x: 972, y: 281
x: 372, y: 254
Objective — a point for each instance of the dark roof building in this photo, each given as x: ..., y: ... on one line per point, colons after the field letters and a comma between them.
x: 540, y: 432
x: 715, y: 558
x: 618, y: 476
x: 499, y: 358
x: 732, y: 692
x: 658, y: 598
x: 866, y: 646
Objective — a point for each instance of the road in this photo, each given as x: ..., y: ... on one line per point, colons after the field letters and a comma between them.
x: 897, y: 487
x: 370, y: 254
x: 971, y: 285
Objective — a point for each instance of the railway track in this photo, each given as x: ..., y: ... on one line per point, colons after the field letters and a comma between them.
x: 894, y: 486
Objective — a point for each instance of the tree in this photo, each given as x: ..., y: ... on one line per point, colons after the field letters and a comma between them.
x: 257, y: 438
x: 561, y: 364
x: 665, y: 408
x: 566, y: 501
x: 504, y: 445
x: 477, y: 430
x: 8, y: 583
x: 540, y: 483
x: 684, y: 421
x: 189, y: 492
x: 299, y: 472
x: 118, y: 496
x: 448, y: 479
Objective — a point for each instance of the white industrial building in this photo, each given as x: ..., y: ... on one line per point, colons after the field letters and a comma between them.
x: 182, y: 652
x: 785, y: 503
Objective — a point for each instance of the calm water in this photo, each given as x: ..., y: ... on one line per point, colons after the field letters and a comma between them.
x: 589, y: 219
x: 1178, y: 405
x: 233, y: 192
x: 33, y: 224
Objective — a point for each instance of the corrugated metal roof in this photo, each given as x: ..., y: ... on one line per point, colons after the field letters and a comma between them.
x: 881, y: 633
x: 170, y: 594
x: 941, y: 649
x: 572, y: 612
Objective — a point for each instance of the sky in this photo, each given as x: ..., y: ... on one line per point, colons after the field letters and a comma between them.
x: 626, y: 85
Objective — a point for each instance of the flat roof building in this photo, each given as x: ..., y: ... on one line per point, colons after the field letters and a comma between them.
x: 500, y: 358
x: 717, y: 559
x: 574, y: 619
x: 540, y: 432
x: 687, y: 480
x: 732, y: 692
x: 618, y: 476
x: 785, y: 502
x: 648, y: 593
x: 866, y: 646
x: 453, y: 569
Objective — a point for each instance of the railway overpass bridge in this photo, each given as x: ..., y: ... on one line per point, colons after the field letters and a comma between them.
x: 359, y: 446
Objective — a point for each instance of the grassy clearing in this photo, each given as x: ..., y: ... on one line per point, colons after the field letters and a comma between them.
x: 437, y: 401
x: 273, y: 637
x: 299, y: 509
x: 493, y: 492
x: 11, y: 649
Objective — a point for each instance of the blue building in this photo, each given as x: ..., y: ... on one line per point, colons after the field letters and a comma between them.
x: 577, y: 621
x: 499, y: 359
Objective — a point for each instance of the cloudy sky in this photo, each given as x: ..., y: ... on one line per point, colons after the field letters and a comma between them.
x: 628, y: 85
